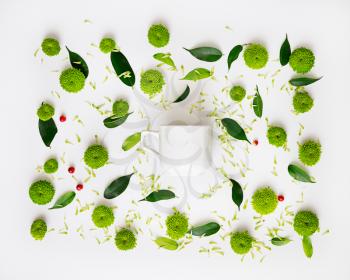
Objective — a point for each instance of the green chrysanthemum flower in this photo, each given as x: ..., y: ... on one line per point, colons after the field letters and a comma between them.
x: 45, y: 112
x: 152, y: 82
x: 302, y: 102
x: 50, y: 47
x: 237, y: 93
x: 96, y: 156
x: 310, y: 152
x: 302, y: 60
x: 120, y: 108
x: 72, y: 80
x: 51, y: 166
x: 277, y: 136
x: 241, y: 242
x: 107, y: 45
x: 255, y: 56
x: 41, y: 192
x: 305, y: 223
x: 158, y: 35
x: 125, y: 239
x: 38, y: 229
x: 177, y: 225
x: 264, y: 200
x: 102, y: 216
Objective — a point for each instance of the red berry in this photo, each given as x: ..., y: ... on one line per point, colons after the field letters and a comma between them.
x: 63, y: 118
x: 280, y: 197
x: 71, y: 169
x: 256, y: 142
x: 79, y: 187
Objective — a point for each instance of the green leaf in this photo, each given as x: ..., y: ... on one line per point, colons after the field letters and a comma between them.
x: 285, y: 52
x: 122, y: 68
x: 234, y: 129
x: 299, y: 174
x: 159, y: 195
x: 208, y: 54
x: 205, y: 230
x: 258, y: 104
x: 47, y: 130
x: 233, y: 55
x: 166, y: 243
x: 280, y: 241
x: 237, y: 193
x: 115, y: 120
x: 183, y: 96
x: 64, y: 200
x: 131, y: 141
x: 78, y: 62
x: 197, y: 74
x: 165, y: 58
x: 307, y: 246
x: 303, y: 81
x: 117, y: 187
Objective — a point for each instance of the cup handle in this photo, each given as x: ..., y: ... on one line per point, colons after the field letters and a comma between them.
x: 153, y: 133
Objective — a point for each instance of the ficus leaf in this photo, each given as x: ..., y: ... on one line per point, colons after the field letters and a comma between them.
x: 299, y: 174
x: 205, y: 230
x: 165, y: 58
x: 131, y: 141
x: 303, y: 81
x: 285, y: 52
x: 64, y: 200
x: 166, y: 243
x: 78, y: 62
x: 117, y: 187
x: 208, y: 54
x: 280, y: 241
x: 122, y: 68
x: 197, y: 74
x: 183, y: 96
x: 115, y: 120
x: 233, y: 55
x: 159, y: 195
x: 47, y: 130
x: 307, y: 246
x: 234, y: 129
x: 237, y: 193
x: 258, y: 104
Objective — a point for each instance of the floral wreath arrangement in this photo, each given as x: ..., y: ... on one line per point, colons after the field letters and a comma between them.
x: 179, y: 232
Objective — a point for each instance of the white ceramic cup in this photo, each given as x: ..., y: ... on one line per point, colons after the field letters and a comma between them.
x: 182, y: 149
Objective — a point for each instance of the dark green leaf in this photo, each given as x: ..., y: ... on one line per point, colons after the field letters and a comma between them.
x: 117, y: 187
x: 131, y: 141
x: 159, y: 195
x: 64, y: 200
x: 165, y: 58
x: 166, y: 243
x: 78, y: 62
x: 280, y: 241
x: 299, y: 174
x: 307, y: 246
x: 258, y: 104
x: 234, y: 129
x: 47, y: 130
x: 237, y: 193
x: 183, y: 96
x: 197, y: 74
x: 303, y: 81
x: 233, y: 55
x: 205, y: 230
x: 208, y: 54
x: 285, y: 52
x: 122, y: 68
x: 115, y: 120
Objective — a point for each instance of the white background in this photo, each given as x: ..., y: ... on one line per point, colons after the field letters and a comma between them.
x: 25, y: 82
